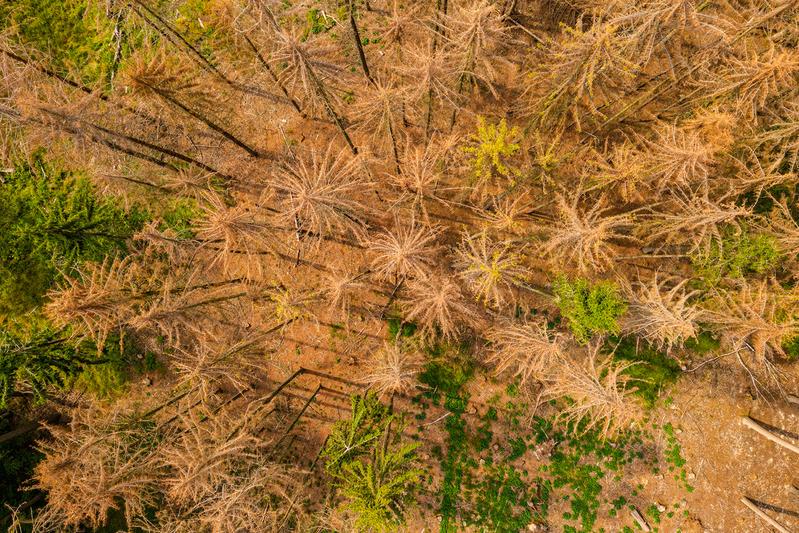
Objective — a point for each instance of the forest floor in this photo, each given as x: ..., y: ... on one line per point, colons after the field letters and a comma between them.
x: 494, y: 462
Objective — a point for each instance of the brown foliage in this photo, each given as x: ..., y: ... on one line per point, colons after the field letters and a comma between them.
x: 529, y: 349
x: 104, y: 460
x: 599, y: 394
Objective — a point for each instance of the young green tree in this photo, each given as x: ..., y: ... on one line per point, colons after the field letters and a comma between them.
x: 74, y: 37
x: 371, y: 465
x: 590, y: 309
x: 379, y: 486
x: 353, y: 437
x: 50, y: 220
x: 39, y: 359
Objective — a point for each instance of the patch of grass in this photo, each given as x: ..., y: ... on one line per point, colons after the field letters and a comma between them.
x: 654, y: 513
x: 579, y: 464
x: 179, y: 216
x: 316, y: 22
x: 791, y: 348
x: 653, y: 371
x: 448, y: 380
x: 517, y: 448
x: 398, y: 328
x: 500, y: 504
x: 674, y: 458
x: 705, y: 342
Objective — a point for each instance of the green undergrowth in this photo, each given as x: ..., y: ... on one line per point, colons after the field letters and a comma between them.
x: 502, y: 472
x: 398, y: 328
x: 703, y: 343
x: 75, y: 38
x: 652, y: 371
x: 580, y: 465
x: 445, y: 385
x: 674, y: 458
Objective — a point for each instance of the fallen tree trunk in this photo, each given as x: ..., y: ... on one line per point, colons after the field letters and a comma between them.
x: 763, y: 516
x: 752, y: 424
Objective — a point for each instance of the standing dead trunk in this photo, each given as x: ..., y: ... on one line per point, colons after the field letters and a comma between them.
x: 358, y: 44
x: 140, y: 142
x: 322, y: 91
x: 202, y: 118
x: 299, y: 415
x: 319, y: 88
x: 274, y: 77
x: 394, y: 145
x: 428, y: 116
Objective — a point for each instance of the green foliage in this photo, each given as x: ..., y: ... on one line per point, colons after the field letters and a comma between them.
x: 398, y: 328
x: 590, y: 309
x: 316, y: 22
x: 653, y: 370
x: 500, y: 506
x: 50, y: 220
x: 379, y: 485
x: 580, y: 461
x: 737, y: 255
x: 791, y: 347
x: 39, y: 357
x: 17, y: 461
x: 491, y: 146
x: 355, y: 436
x: 674, y: 457
x: 449, y: 380
x: 75, y: 36
x: 179, y: 215
x: 375, y: 473
x: 705, y: 342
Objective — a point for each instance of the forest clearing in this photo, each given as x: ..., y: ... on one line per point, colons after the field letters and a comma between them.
x: 389, y: 265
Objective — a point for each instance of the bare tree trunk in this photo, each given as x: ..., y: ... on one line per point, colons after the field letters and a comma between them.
x: 134, y: 140
x: 299, y: 415
x: 763, y: 516
x: 320, y: 89
x: 428, y: 116
x: 98, y: 140
x: 205, y: 120
x: 394, y: 145
x: 75, y: 85
x: 274, y: 77
x: 358, y: 44
x: 751, y: 424
x: 332, y: 112
x: 169, y: 402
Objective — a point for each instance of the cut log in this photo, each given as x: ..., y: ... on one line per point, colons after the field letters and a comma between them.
x: 763, y: 516
x: 751, y: 424
x: 640, y: 519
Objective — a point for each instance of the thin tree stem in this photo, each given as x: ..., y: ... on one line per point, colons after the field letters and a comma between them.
x: 358, y: 44
x: 274, y: 77
x: 205, y: 120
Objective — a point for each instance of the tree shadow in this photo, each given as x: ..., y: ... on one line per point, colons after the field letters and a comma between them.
x: 775, y: 429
